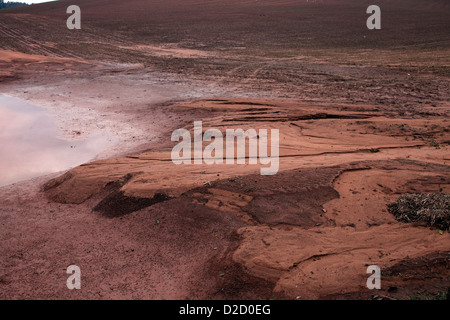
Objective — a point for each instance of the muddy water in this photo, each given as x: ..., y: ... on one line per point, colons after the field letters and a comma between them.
x: 29, y: 146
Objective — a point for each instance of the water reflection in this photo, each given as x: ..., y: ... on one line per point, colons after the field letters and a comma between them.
x: 29, y: 146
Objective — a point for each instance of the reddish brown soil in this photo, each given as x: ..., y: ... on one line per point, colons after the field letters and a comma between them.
x: 363, y: 119
x: 319, y: 50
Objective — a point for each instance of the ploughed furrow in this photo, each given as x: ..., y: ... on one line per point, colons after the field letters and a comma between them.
x: 26, y: 43
x: 46, y: 36
x: 87, y: 34
x: 33, y: 36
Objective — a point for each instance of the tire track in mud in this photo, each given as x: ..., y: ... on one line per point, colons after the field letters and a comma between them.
x: 16, y: 33
x: 92, y: 32
x: 100, y: 41
x: 28, y: 43
x: 34, y: 23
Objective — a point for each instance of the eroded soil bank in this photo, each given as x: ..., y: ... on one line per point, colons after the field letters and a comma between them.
x: 143, y: 227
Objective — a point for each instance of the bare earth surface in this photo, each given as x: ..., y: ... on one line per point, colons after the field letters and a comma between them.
x: 362, y: 115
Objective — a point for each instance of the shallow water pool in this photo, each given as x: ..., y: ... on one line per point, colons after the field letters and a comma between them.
x: 29, y: 146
